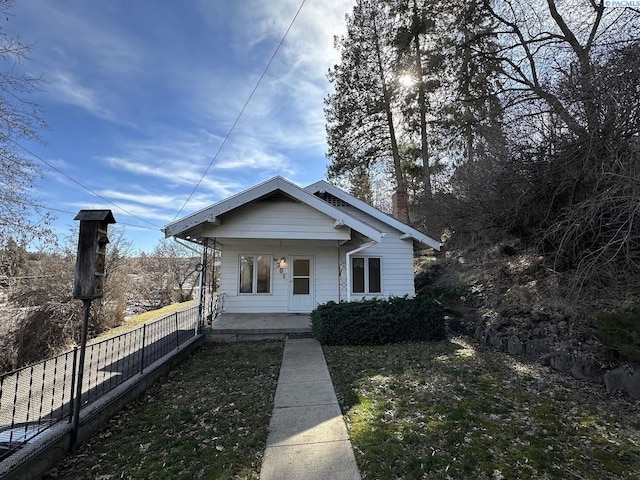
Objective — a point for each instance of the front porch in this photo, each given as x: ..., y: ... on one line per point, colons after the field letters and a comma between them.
x: 238, y: 327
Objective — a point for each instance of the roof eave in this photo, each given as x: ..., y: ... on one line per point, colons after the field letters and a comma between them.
x: 417, y: 235
x: 276, y: 183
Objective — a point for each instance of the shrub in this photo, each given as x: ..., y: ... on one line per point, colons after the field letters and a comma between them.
x: 377, y: 321
x: 620, y: 331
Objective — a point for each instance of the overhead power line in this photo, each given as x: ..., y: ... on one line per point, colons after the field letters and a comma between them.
x: 59, y: 210
x: 224, y: 141
x: 155, y: 229
x: 53, y: 167
x: 213, y: 159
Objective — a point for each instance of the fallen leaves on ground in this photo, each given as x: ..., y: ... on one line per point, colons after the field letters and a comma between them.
x: 207, y: 419
x: 447, y: 410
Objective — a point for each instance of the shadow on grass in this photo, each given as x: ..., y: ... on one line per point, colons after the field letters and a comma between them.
x: 207, y: 419
x: 447, y: 410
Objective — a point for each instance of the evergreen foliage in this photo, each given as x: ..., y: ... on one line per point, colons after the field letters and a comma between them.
x: 378, y: 322
x: 511, y: 119
x: 13, y: 259
x: 361, y: 123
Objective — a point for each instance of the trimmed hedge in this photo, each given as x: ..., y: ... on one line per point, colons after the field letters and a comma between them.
x: 377, y: 321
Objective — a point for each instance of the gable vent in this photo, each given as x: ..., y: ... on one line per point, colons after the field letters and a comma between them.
x: 331, y: 200
x: 277, y: 196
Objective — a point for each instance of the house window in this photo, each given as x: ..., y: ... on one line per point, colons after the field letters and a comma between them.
x: 255, y: 274
x: 367, y: 275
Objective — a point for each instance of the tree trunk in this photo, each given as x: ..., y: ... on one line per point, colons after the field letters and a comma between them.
x: 401, y: 187
x: 424, y: 145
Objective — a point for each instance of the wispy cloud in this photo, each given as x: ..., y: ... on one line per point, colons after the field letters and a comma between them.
x: 287, y: 109
x: 87, y: 58
x: 154, y: 200
x: 249, y: 154
x: 163, y: 83
x: 180, y: 159
x: 310, y: 41
x: 87, y: 36
x: 176, y: 173
x: 66, y: 88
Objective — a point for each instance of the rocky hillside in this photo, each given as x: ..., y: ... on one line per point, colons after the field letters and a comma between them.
x: 511, y: 299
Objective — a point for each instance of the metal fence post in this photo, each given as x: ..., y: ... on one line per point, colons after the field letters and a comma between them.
x: 177, y: 331
x: 15, y: 405
x: 144, y: 335
x: 73, y: 381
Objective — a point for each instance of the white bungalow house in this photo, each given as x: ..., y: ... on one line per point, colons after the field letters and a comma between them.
x: 286, y: 249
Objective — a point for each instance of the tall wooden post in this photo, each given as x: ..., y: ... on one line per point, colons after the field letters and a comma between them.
x: 89, y: 284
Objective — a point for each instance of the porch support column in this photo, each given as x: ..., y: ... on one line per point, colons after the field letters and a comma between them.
x: 212, y: 284
x: 201, y: 286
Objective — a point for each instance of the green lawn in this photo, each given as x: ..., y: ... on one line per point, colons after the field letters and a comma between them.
x: 449, y: 411
x: 440, y: 410
x: 208, y: 419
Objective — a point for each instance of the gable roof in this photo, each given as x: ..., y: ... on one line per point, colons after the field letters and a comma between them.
x: 211, y: 214
x: 323, y: 186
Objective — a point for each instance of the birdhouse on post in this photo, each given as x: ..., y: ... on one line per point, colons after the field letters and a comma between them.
x: 92, y: 248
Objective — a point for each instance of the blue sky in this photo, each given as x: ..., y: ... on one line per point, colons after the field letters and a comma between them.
x: 139, y: 95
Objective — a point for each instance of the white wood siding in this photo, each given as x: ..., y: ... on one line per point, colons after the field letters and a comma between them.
x: 295, y: 220
x: 397, y: 258
x: 325, y: 277
x: 277, y: 220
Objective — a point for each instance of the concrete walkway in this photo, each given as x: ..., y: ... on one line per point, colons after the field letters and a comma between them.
x: 307, y: 435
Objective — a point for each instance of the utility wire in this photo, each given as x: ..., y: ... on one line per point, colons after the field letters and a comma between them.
x: 7, y: 139
x: 224, y: 141
x: 156, y: 227
x: 44, y: 207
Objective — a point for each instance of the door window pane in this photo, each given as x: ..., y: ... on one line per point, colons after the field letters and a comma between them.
x: 358, y: 275
x: 246, y: 274
x: 301, y: 268
x: 301, y: 286
x: 374, y: 276
x: 301, y: 276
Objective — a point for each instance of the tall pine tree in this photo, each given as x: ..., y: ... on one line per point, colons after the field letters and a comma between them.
x: 361, y: 125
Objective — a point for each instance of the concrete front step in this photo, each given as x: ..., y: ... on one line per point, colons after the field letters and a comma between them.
x: 265, y: 331
x: 294, y: 335
x: 239, y: 327
x: 216, y: 337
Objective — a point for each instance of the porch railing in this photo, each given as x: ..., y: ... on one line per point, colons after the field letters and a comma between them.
x: 36, y: 397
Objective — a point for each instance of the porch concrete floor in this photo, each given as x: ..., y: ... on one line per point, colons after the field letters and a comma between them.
x: 261, y: 323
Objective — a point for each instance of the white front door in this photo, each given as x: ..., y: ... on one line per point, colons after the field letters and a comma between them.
x: 301, y: 297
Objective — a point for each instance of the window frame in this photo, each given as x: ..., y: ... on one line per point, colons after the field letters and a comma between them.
x: 254, y: 279
x: 367, y: 287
